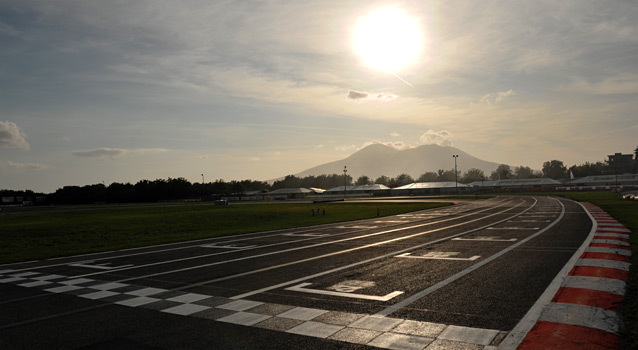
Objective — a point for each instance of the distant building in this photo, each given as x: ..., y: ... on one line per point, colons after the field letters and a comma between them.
x: 374, y: 190
x: 542, y: 183
x: 291, y: 193
x: 622, y: 163
x: 430, y: 188
x: 606, y: 180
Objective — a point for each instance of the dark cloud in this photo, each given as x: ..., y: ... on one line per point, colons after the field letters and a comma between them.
x: 356, y: 95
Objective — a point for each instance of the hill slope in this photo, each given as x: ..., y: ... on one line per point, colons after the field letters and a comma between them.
x: 376, y: 160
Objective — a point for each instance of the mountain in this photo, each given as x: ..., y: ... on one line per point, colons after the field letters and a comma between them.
x: 377, y: 159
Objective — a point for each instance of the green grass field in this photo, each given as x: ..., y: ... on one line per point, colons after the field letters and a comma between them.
x: 59, y: 232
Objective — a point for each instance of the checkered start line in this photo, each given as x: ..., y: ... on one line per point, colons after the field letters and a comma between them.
x: 583, y: 312
x: 379, y: 331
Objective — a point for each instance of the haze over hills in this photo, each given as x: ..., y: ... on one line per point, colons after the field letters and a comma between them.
x: 377, y: 159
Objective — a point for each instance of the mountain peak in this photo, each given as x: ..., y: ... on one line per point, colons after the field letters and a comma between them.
x: 379, y: 159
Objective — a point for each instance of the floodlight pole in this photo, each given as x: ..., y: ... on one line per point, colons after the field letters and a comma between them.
x: 202, y: 179
x: 345, y: 181
x: 456, y: 177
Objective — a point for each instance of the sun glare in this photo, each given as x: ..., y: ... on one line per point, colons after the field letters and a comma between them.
x: 388, y: 39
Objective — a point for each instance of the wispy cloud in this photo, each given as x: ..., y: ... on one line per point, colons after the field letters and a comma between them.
x: 496, y: 97
x: 103, y: 153
x: 12, y: 137
x: 20, y: 167
x: 615, y: 85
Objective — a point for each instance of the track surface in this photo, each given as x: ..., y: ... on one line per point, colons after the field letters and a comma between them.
x: 478, y: 265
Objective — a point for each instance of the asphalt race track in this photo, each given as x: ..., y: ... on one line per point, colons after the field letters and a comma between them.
x: 441, y: 278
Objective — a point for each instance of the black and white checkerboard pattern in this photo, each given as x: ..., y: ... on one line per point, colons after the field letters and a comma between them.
x: 383, y: 332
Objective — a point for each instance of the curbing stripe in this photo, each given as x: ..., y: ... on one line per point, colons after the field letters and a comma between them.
x: 619, y: 251
x: 551, y: 335
x: 596, y: 283
x: 619, y: 265
x: 611, y: 241
x: 582, y: 315
x: 588, y: 297
x: 622, y: 238
x: 610, y: 245
x: 604, y: 272
x: 605, y: 256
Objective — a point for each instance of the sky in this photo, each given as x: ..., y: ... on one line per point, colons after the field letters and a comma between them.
x: 120, y: 91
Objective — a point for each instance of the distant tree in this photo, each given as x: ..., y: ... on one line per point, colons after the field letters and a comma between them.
x: 502, y: 172
x: 382, y: 180
x: 290, y: 181
x: 401, y: 180
x: 472, y: 175
x: 428, y: 177
x: 446, y: 175
x: 554, y: 169
x: 590, y: 169
x: 363, y: 180
x: 523, y: 172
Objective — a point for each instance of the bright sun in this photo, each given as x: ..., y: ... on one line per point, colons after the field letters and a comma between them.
x: 388, y: 39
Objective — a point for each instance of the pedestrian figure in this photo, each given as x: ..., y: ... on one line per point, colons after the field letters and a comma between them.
x: 324, y: 211
x: 313, y: 212
x: 378, y: 212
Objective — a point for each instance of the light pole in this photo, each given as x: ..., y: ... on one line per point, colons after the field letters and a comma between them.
x: 202, y: 179
x: 456, y: 177
x: 345, y: 181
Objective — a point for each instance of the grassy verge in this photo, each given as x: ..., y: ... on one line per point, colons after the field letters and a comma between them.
x: 627, y: 213
x: 62, y: 232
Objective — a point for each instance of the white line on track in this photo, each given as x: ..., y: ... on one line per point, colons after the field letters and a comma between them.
x: 319, y: 274
x: 301, y: 288
x: 276, y: 252
x: 409, y: 300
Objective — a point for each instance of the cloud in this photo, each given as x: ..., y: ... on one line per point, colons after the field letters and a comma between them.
x: 496, y: 97
x: 394, y: 134
x: 102, y: 153
x: 621, y: 84
x: 12, y: 137
x: 441, y: 138
x: 343, y: 148
x: 356, y: 95
x: 371, y: 96
x: 14, y: 166
x: 397, y: 144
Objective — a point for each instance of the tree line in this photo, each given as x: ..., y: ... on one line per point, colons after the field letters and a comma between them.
x: 180, y: 188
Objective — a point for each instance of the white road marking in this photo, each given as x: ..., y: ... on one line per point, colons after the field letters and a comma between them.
x: 409, y: 300
x: 512, y: 228
x: 391, y: 221
x: 305, y: 234
x: 516, y: 335
x: 437, y: 256
x: 319, y: 274
x: 350, y: 286
x: 512, y: 221
x: 227, y: 246
x: 298, y: 248
x: 301, y: 288
x: 357, y: 226
x: 486, y: 239
x: 103, y: 266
